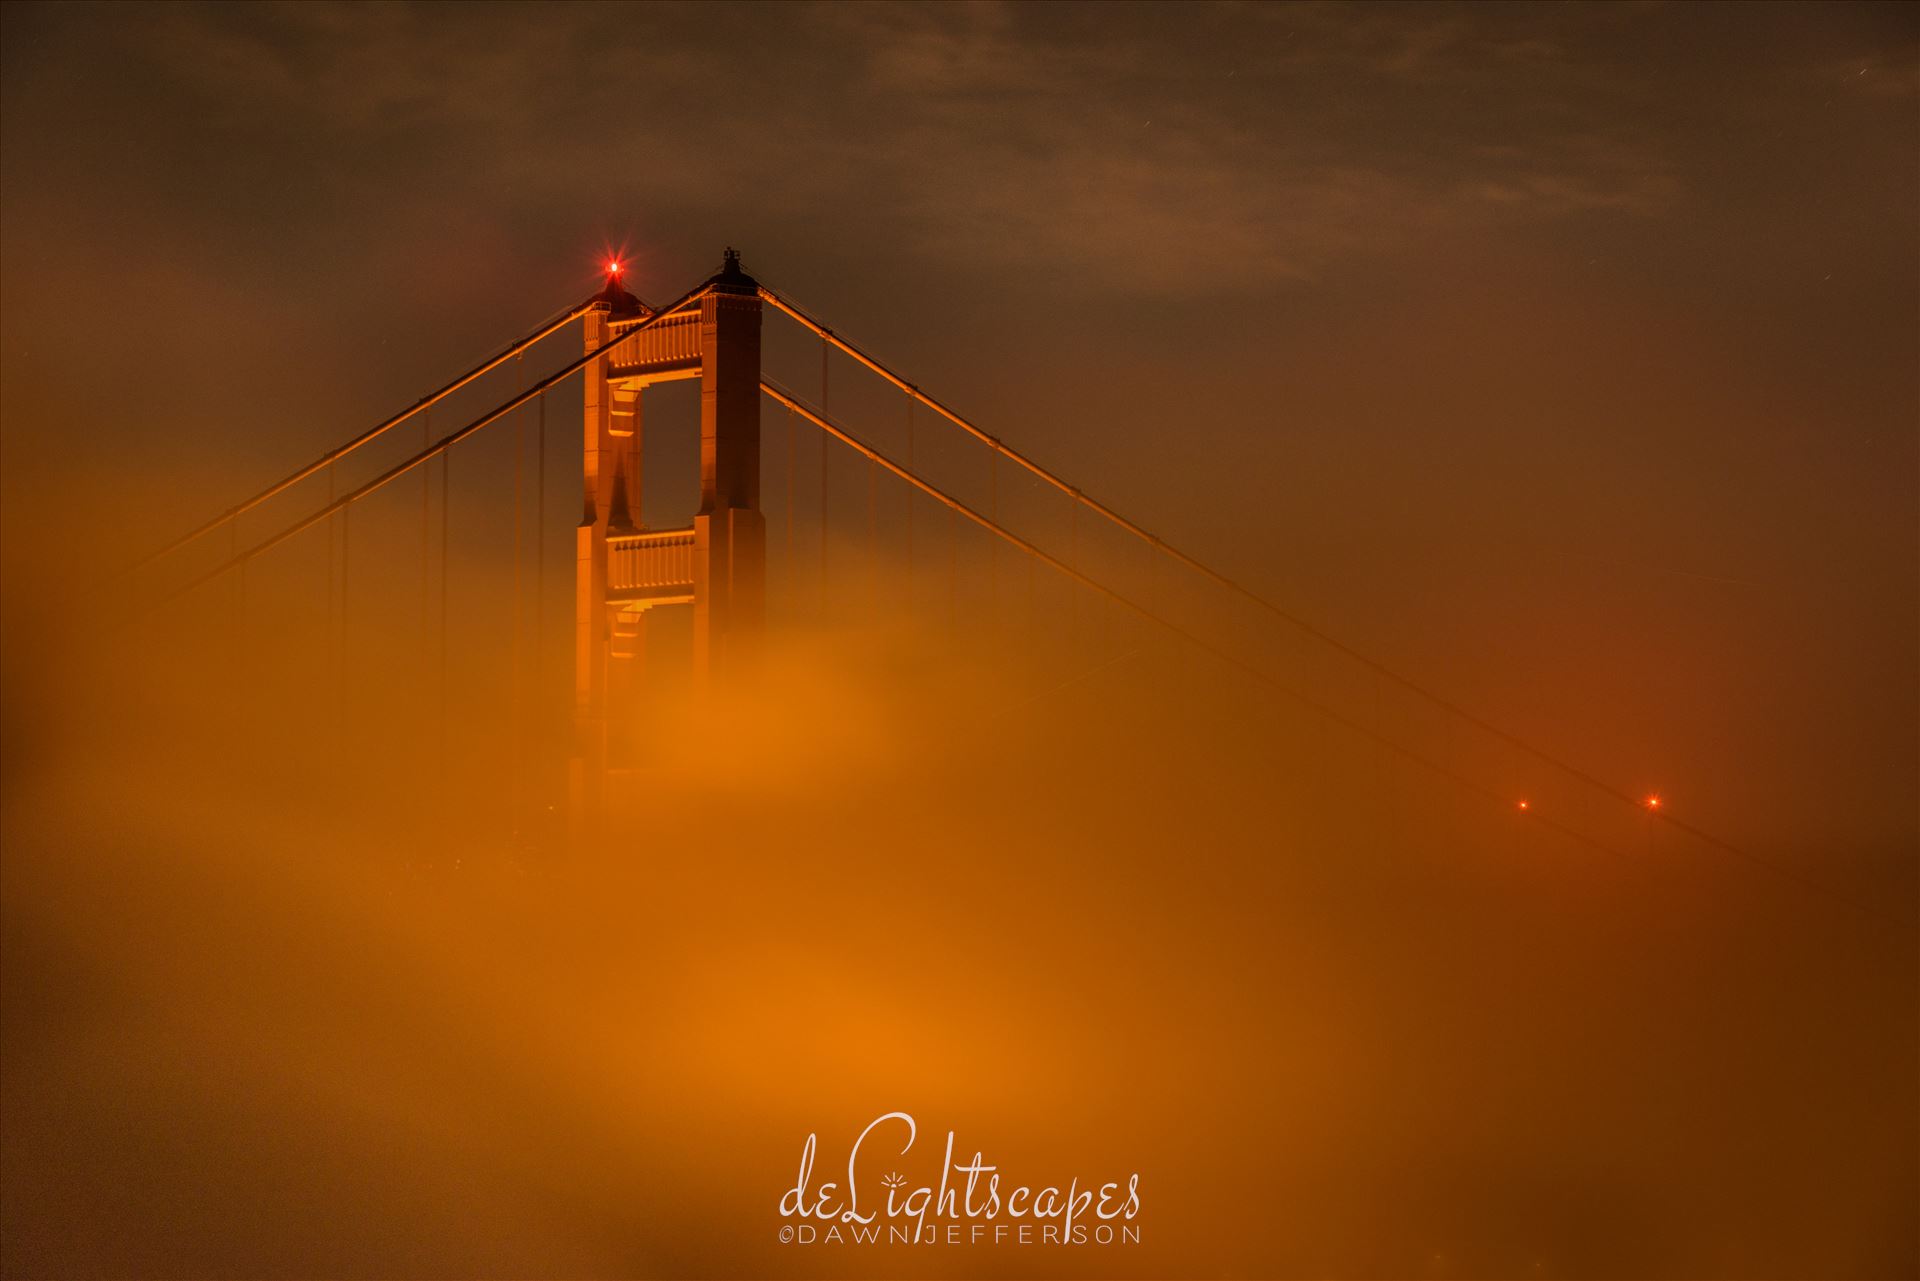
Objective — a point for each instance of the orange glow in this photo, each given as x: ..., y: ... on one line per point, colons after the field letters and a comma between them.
x: 1525, y: 805
x: 1653, y: 802
x: 615, y: 267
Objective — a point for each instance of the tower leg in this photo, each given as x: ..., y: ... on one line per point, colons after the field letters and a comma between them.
x: 729, y: 544
x: 730, y: 534
x: 591, y: 626
x: 626, y: 685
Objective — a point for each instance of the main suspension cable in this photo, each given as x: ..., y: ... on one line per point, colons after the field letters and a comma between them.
x: 1082, y: 498
x: 537, y: 391
x: 366, y: 437
x: 960, y: 509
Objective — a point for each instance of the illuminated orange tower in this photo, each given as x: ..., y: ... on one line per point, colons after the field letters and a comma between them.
x: 625, y: 569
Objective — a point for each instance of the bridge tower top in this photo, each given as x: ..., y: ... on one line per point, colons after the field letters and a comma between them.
x: 627, y: 567
x: 616, y: 299
x: 731, y: 278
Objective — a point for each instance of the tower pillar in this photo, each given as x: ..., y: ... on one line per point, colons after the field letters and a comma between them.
x: 610, y: 452
x: 622, y: 568
x: 730, y: 533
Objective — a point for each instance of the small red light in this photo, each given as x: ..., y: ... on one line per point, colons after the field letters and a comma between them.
x: 614, y: 268
x: 1525, y: 805
x: 1653, y: 802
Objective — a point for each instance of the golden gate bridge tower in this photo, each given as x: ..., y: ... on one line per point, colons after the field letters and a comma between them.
x: 716, y: 566
x: 623, y: 568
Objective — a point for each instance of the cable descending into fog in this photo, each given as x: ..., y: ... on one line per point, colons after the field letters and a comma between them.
x: 1078, y: 677
x: 960, y: 509
x: 332, y: 456
x: 1082, y: 499
x: 536, y: 392
x: 957, y: 510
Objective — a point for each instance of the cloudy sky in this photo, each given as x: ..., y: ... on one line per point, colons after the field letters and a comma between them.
x: 1576, y: 341
x: 1562, y: 357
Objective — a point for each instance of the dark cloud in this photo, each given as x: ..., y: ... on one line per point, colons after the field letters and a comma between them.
x: 1130, y: 149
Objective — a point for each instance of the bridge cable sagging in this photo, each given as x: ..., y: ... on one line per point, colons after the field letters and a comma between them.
x: 1082, y: 499
x: 332, y: 456
x: 536, y: 392
x: 237, y: 559
x: 960, y: 510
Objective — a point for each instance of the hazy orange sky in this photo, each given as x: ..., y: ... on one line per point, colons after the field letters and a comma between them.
x: 1561, y: 357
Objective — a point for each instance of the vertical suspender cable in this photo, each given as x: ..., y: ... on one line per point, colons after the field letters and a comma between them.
x: 333, y: 658
x: 239, y: 619
x: 513, y: 681
x: 330, y: 556
x: 993, y: 549
x: 346, y: 556
x: 793, y: 578
x: 824, y: 349
x: 910, y: 496
x: 446, y: 501
x: 1033, y: 619
x: 426, y: 565
x: 539, y: 558
x: 242, y: 576
x: 426, y: 546
x: 1385, y: 800
x: 1073, y: 558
